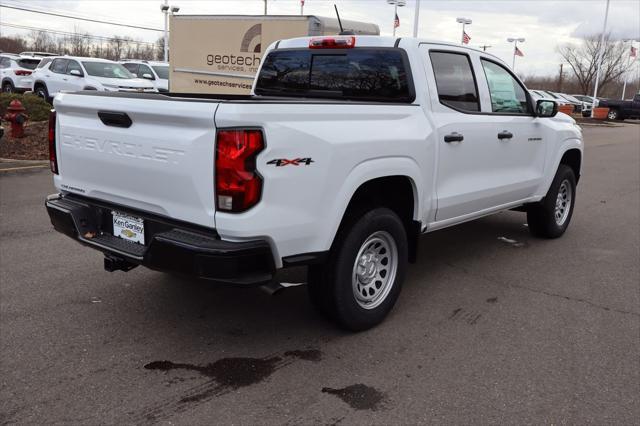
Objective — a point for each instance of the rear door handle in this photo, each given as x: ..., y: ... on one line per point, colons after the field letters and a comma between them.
x: 453, y: 137
x: 505, y: 135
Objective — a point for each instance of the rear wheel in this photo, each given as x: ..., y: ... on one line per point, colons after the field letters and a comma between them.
x: 614, y: 114
x: 7, y: 87
x: 550, y: 217
x: 361, y: 281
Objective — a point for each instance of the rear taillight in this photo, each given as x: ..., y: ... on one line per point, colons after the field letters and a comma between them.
x: 332, y: 42
x: 53, y: 159
x: 22, y: 72
x: 238, y: 185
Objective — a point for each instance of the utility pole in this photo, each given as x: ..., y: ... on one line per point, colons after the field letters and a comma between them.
x: 165, y: 9
x: 484, y: 47
x: 265, y: 7
x: 599, y: 59
x: 560, y: 77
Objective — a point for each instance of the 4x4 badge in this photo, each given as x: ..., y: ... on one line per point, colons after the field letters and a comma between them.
x: 280, y: 162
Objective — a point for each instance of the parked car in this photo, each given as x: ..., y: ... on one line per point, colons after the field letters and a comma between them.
x: 156, y: 72
x: 620, y: 110
x: 38, y: 54
x: 577, y: 105
x: 15, y: 72
x: 340, y: 166
x: 584, y: 108
x: 587, y: 99
x: 70, y: 73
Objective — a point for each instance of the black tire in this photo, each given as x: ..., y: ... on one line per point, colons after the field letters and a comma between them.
x: 332, y: 285
x: 41, y: 91
x: 7, y: 87
x: 541, y: 216
x: 614, y: 114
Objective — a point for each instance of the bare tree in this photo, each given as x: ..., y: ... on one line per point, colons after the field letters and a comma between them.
x: 584, y: 58
x: 41, y: 41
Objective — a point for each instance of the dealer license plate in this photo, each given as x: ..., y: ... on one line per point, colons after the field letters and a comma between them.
x: 128, y: 227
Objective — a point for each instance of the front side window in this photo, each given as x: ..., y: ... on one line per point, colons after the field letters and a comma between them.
x: 455, y: 81
x: 106, y: 70
x: 59, y: 66
x: 507, y: 95
x: 145, y: 70
x: 73, y: 65
x: 366, y: 74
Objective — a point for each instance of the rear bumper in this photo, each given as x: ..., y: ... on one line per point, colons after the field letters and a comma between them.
x: 171, y: 246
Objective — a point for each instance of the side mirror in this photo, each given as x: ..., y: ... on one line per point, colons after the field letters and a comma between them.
x: 148, y: 76
x: 546, y: 108
x: 77, y: 73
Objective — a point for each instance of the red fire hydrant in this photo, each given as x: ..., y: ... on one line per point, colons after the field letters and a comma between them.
x: 16, y: 116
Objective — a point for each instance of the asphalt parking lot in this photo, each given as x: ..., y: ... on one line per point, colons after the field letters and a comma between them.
x: 493, y: 326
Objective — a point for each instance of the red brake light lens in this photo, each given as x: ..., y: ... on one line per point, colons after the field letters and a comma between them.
x: 53, y: 160
x: 332, y: 42
x: 238, y: 185
x: 22, y: 72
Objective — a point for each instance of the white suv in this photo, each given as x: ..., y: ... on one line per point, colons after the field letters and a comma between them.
x: 79, y: 73
x: 156, y: 72
x: 15, y: 72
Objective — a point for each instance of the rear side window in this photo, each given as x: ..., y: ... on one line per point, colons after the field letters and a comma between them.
x: 44, y: 62
x: 356, y: 74
x: 455, y: 81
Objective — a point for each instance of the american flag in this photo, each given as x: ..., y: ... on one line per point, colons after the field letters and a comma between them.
x: 518, y: 52
x: 634, y: 52
x: 396, y: 22
x: 301, y: 2
x: 465, y: 38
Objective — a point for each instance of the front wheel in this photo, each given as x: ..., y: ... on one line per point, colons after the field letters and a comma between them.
x: 42, y: 92
x: 550, y: 217
x: 361, y: 281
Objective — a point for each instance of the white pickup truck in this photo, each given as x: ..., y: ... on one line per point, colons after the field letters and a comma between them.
x: 346, y: 151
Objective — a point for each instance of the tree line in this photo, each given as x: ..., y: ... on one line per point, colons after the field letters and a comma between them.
x: 80, y: 43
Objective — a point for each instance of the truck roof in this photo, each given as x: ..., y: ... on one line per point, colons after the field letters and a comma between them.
x: 378, y: 41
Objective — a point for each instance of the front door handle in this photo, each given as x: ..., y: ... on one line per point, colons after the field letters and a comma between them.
x: 453, y: 137
x: 505, y: 135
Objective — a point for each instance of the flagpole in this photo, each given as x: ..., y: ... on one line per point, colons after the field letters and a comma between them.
x: 624, y: 75
x: 301, y: 7
x: 515, y: 49
x: 395, y: 13
x: 599, y: 59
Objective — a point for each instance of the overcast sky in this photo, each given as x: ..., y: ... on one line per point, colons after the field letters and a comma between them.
x: 544, y: 23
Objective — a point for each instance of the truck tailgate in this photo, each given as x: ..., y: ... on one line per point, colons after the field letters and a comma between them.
x: 161, y: 163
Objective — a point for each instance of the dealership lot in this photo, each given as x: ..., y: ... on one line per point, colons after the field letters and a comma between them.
x: 493, y: 326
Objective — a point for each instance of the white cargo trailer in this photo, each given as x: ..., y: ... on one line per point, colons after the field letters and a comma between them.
x: 221, y: 54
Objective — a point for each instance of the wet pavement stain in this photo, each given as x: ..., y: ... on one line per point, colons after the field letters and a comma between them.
x: 492, y: 300
x: 314, y: 355
x: 228, y: 372
x: 359, y: 396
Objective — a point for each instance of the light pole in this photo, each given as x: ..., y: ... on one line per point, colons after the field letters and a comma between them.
x: 396, y: 4
x: 624, y: 76
x: 515, y: 42
x: 599, y: 57
x: 165, y: 8
x: 416, y: 19
x: 464, y: 22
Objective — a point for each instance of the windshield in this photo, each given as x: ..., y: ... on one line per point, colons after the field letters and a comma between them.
x: 162, y: 71
x: 358, y: 74
x: 29, y: 64
x: 106, y: 69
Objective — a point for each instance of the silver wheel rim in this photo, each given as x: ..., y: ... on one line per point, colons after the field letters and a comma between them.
x: 612, y: 115
x: 563, y: 202
x: 374, y: 270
